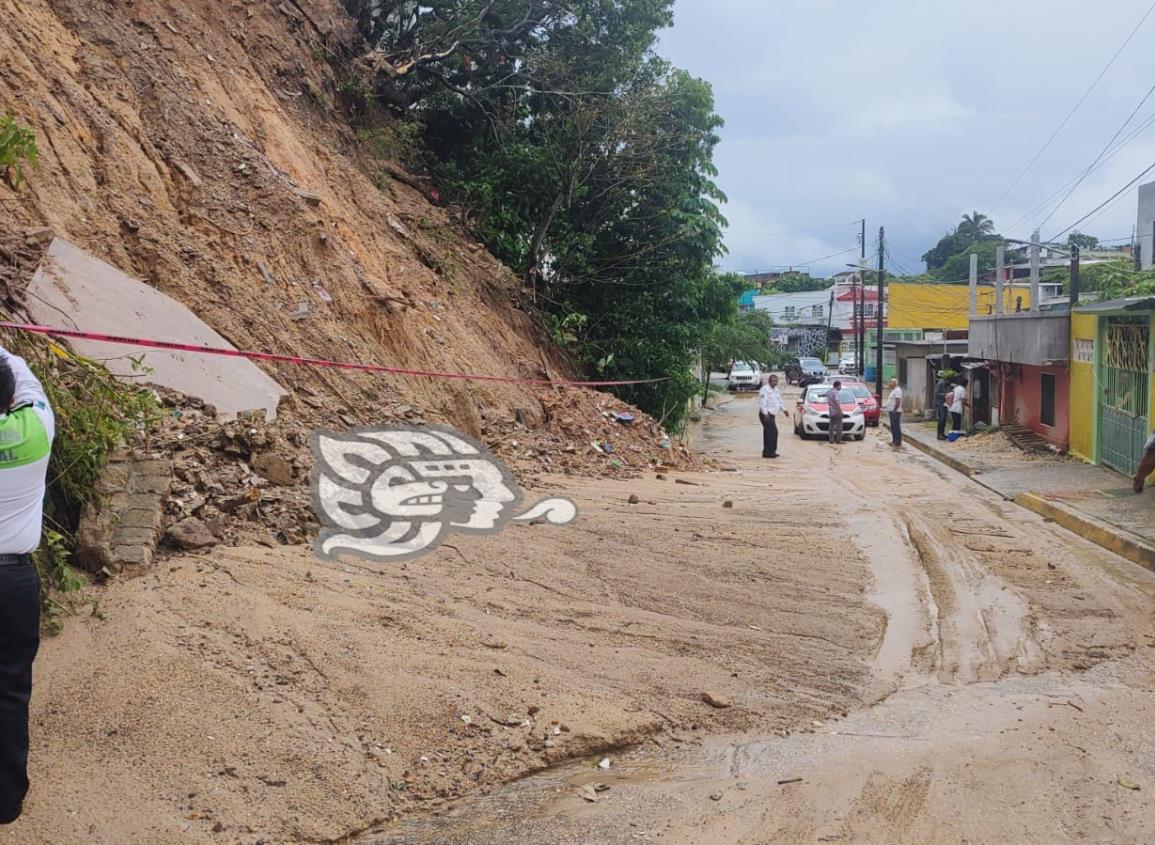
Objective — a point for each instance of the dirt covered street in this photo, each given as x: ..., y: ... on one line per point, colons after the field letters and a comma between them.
x: 892, y: 653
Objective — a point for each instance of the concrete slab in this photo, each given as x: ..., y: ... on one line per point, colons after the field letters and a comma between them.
x: 73, y: 289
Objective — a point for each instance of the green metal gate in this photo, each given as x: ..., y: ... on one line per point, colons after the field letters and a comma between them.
x: 1123, y: 379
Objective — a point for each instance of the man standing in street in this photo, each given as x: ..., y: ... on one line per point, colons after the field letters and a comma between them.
x: 894, y: 409
x: 769, y: 406
x: 942, y: 392
x: 958, y: 401
x: 27, y: 427
x: 834, y: 409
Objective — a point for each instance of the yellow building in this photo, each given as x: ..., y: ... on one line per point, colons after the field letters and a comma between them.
x: 945, y: 306
x: 1112, y: 406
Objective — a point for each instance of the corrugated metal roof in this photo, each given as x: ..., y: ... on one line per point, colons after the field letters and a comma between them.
x: 1130, y: 303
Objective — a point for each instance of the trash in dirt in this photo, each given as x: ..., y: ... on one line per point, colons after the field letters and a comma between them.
x: 687, y: 483
x: 423, y: 759
x: 664, y: 443
x: 588, y: 793
x: 616, y: 463
x: 789, y: 780
x: 594, y: 444
x: 319, y: 289
x: 302, y: 311
x: 557, y: 731
x: 715, y: 796
x: 715, y: 700
x: 600, y: 787
x: 633, y: 500
x: 754, y: 627
x: 816, y: 723
x: 467, y: 719
x: 608, y: 448
x: 604, y: 763
x: 1127, y: 784
x: 624, y: 418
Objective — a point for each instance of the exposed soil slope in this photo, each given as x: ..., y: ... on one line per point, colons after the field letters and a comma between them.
x: 198, y: 145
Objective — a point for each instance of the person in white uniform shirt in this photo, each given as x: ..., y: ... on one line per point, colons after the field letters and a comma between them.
x: 894, y: 410
x: 27, y: 428
x: 770, y: 405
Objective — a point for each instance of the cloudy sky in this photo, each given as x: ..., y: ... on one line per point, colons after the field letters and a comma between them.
x: 910, y: 113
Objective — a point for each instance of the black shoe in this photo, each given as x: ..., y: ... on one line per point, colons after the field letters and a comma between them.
x: 775, y: 455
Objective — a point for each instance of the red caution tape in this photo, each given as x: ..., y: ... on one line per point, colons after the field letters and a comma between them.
x: 315, y: 362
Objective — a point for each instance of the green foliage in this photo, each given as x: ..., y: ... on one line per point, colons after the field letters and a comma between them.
x: 586, y: 163
x: 796, y: 283
x: 1116, y: 279
x: 743, y: 337
x: 1082, y: 241
x: 949, y: 259
x: 17, y: 149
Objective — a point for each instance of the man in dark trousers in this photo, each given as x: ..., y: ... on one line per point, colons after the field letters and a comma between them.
x: 834, y: 409
x: 770, y: 404
x: 27, y: 427
x: 942, y: 391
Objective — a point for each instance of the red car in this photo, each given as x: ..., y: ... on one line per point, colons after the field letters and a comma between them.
x: 866, y: 401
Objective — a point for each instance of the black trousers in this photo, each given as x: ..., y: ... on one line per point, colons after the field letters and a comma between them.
x: 769, y: 435
x: 955, y: 421
x: 19, y: 641
x: 942, y: 415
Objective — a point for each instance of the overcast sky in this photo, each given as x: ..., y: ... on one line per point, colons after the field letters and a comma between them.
x: 910, y: 113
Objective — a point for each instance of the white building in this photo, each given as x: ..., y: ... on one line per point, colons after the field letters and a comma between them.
x: 1145, y: 226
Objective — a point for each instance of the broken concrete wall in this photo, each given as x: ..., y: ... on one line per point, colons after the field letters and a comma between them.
x: 74, y: 290
x: 121, y: 525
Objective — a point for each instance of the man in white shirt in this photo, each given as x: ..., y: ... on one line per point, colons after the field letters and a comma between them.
x: 770, y: 405
x: 958, y: 401
x: 27, y: 427
x: 894, y: 409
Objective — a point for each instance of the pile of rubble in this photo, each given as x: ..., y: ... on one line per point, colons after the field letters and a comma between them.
x: 584, y: 433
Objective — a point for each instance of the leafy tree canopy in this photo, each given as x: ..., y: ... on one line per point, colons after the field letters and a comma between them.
x: 949, y: 259
x: 797, y: 283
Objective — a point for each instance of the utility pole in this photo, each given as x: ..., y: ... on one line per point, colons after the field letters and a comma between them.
x: 1035, y: 271
x: 1000, y: 260
x: 829, y: 321
x: 860, y: 318
x: 1073, y: 292
x: 974, y: 282
x: 879, y: 308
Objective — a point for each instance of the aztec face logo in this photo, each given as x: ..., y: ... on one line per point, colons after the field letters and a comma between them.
x: 395, y: 492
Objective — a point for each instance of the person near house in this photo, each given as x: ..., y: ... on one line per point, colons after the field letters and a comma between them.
x: 834, y: 409
x: 27, y: 427
x: 942, y: 392
x: 1146, y: 465
x: 770, y: 405
x: 958, y: 401
x: 894, y: 410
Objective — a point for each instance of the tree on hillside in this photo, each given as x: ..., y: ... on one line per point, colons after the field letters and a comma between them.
x: 1083, y: 242
x: 796, y: 283
x: 975, y: 225
x: 585, y: 161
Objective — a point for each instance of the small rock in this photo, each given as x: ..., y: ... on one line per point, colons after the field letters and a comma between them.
x: 604, y: 763
x: 190, y: 533
x: 727, y: 504
x: 660, y: 477
x: 715, y: 796
x: 633, y: 500
x: 718, y: 701
x: 588, y: 793
x: 274, y: 468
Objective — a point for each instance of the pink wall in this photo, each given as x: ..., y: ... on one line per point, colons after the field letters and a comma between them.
x: 1023, y: 402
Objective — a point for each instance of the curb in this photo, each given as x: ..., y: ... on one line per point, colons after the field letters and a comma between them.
x: 1121, y: 542
x: 939, y: 455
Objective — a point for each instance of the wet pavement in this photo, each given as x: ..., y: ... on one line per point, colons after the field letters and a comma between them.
x: 1011, y: 698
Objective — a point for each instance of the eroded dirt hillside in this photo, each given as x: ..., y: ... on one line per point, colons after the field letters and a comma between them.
x: 199, y: 145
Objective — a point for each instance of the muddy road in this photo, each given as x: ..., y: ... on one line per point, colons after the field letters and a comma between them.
x: 901, y: 656
x: 1009, y: 699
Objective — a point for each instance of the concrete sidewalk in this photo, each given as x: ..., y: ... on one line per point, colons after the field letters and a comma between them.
x: 1093, y: 501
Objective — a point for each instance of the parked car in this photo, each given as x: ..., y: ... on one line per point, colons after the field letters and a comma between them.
x: 812, y: 413
x: 846, y: 380
x: 866, y: 400
x: 813, y: 371
x: 848, y: 364
x: 744, y: 375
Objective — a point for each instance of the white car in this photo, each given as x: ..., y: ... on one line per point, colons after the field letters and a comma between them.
x: 744, y: 376
x: 812, y: 414
x: 848, y: 365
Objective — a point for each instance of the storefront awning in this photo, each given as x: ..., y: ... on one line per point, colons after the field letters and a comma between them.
x: 1131, y: 303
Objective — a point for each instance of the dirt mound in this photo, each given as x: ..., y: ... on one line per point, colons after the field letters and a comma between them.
x: 199, y: 145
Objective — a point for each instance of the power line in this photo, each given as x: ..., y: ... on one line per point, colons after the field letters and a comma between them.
x: 1104, y: 204
x: 1099, y: 157
x: 1074, y: 109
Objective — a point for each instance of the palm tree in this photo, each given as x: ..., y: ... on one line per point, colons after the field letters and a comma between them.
x: 975, y: 225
